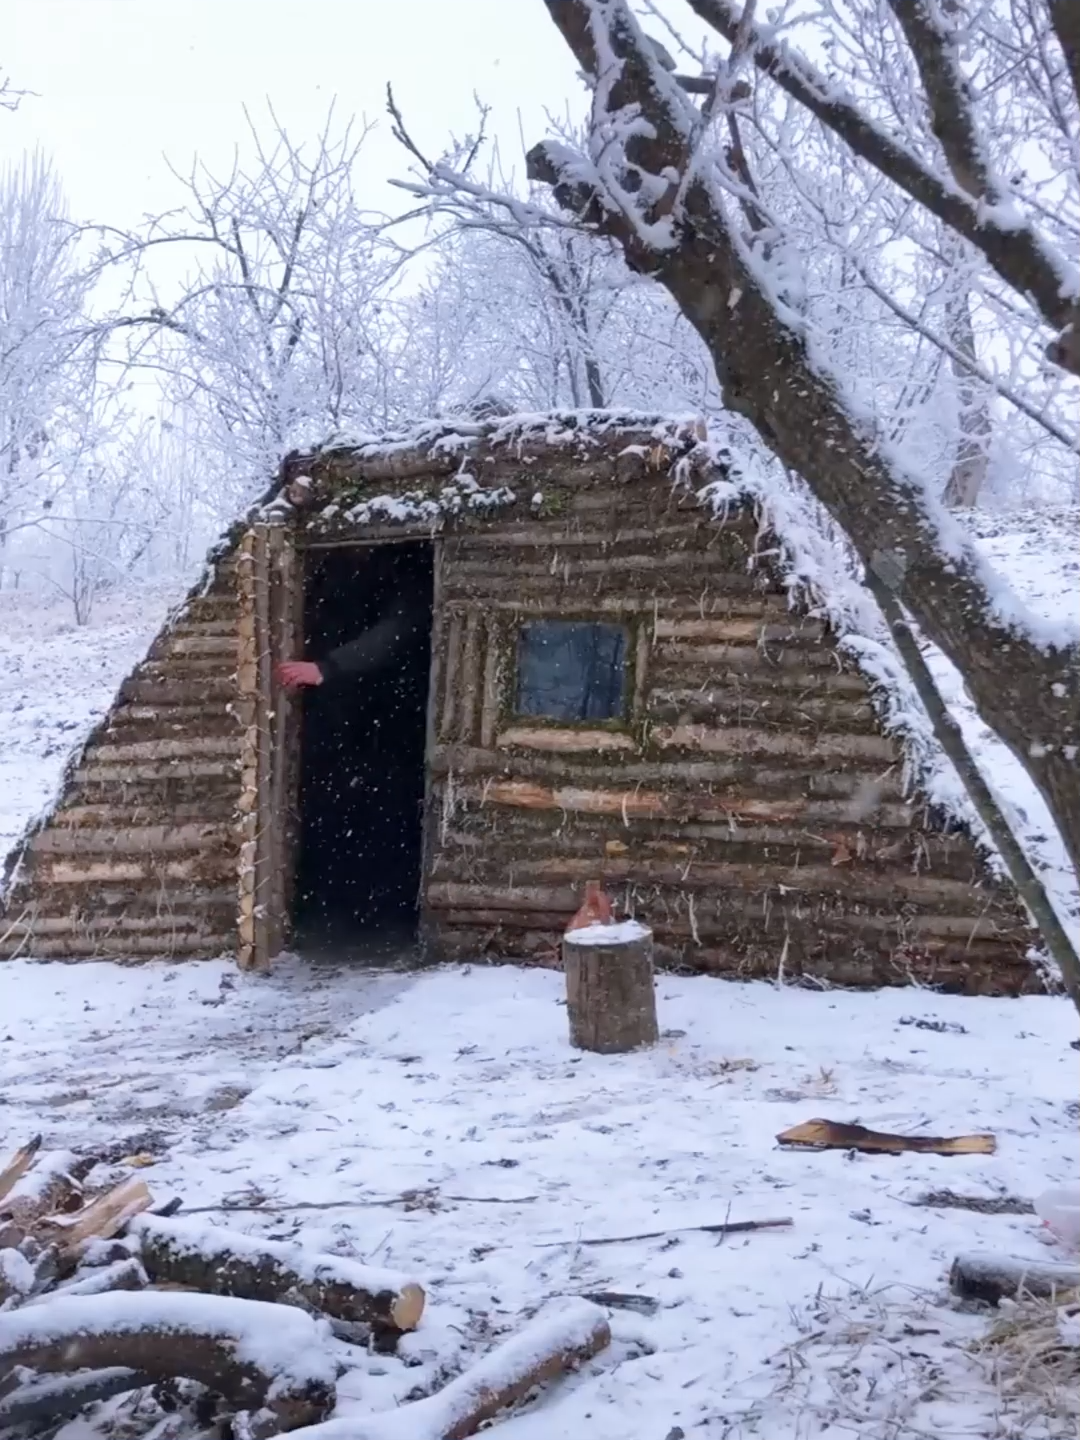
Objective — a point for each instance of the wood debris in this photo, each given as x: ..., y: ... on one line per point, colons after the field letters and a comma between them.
x: 101, y: 1295
x: 832, y: 1135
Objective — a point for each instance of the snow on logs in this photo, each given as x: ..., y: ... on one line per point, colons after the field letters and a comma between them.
x: 221, y: 1262
x: 261, y: 1357
x: 547, y: 1347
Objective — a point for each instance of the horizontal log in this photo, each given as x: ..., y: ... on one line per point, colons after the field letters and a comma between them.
x: 575, y: 741
x: 993, y: 1278
x: 149, y: 839
x: 109, y: 815
x: 118, y: 947
x: 795, y: 880
x: 627, y: 803
x: 142, y: 690
x: 109, y: 753
x: 222, y: 1262
x: 65, y: 872
x: 200, y: 644
x: 740, y: 631
x: 203, y: 1338
x: 646, y: 837
x: 671, y: 907
x: 799, y: 778
x: 728, y: 741
x: 585, y: 585
x: 129, y: 772
x: 839, y: 960
x: 760, y: 706
x: 540, y: 534
x: 745, y: 658
x: 87, y: 926
x: 760, y: 681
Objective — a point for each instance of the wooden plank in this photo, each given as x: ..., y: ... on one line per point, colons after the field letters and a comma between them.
x: 736, y: 631
x: 568, y: 741
x: 628, y: 804
x: 135, y: 840
x: 201, y: 867
x: 642, y: 648
x: 728, y: 741
x: 108, y: 753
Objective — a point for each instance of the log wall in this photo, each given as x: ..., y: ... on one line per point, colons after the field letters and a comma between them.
x: 139, y: 858
x: 750, y: 808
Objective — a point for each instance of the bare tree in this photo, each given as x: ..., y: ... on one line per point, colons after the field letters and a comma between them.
x: 711, y: 200
x: 48, y: 355
x: 278, y: 330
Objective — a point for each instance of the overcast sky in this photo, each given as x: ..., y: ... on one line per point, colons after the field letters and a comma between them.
x: 121, y: 83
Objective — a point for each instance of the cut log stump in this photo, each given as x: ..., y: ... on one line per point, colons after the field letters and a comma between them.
x: 610, y: 995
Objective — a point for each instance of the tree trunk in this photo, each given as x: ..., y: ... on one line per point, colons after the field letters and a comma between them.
x: 610, y: 995
x: 1026, y: 689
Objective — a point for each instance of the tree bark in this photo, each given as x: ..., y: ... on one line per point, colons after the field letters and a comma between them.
x: 950, y: 737
x: 213, y: 1260
x: 543, y: 1350
x: 1028, y: 692
x: 610, y: 994
x: 999, y: 1277
x: 203, y: 1338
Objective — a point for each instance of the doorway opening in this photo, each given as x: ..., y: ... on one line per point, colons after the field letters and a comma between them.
x: 363, y: 753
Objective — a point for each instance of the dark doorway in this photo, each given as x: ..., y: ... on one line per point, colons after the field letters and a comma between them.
x: 363, y: 757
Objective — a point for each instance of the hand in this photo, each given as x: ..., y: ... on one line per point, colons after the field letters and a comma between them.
x: 294, y: 673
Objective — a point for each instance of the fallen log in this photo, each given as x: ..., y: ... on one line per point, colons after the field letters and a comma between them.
x: 58, y: 1399
x: 258, y: 1356
x: 832, y: 1135
x: 993, y: 1278
x: 544, y: 1349
x: 16, y: 1275
x: 221, y: 1262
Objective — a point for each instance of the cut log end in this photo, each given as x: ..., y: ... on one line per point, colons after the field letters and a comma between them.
x: 407, y: 1307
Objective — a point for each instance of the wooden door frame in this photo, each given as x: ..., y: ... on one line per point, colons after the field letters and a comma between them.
x: 270, y: 594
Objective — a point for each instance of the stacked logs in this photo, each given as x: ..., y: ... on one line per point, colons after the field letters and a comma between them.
x: 102, y: 1294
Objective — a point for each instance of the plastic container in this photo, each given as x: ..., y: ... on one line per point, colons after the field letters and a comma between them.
x: 1059, y: 1210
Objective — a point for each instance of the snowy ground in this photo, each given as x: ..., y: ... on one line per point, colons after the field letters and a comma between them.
x: 309, y: 1103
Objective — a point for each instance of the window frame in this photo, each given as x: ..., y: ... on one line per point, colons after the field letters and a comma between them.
x: 623, y: 719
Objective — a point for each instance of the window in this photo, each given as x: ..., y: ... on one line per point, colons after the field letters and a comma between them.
x: 571, y: 670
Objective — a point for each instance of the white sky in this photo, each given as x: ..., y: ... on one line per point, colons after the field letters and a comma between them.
x: 121, y: 83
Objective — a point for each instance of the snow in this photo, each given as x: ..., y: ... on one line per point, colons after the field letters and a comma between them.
x: 450, y: 1131
x: 623, y: 932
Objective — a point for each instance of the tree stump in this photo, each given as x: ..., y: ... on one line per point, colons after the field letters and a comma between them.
x: 610, y: 997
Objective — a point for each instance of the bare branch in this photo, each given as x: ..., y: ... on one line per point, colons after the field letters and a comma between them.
x: 1014, y: 250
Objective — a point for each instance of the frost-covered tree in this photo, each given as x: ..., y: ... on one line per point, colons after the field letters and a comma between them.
x: 48, y: 357
x: 275, y: 334
x: 543, y: 319
x: 806, y: 215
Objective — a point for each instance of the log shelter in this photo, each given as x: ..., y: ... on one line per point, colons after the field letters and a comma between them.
x: 616, y: 684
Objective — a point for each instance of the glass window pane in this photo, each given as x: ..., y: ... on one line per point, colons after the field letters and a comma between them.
x: 571, y: 670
